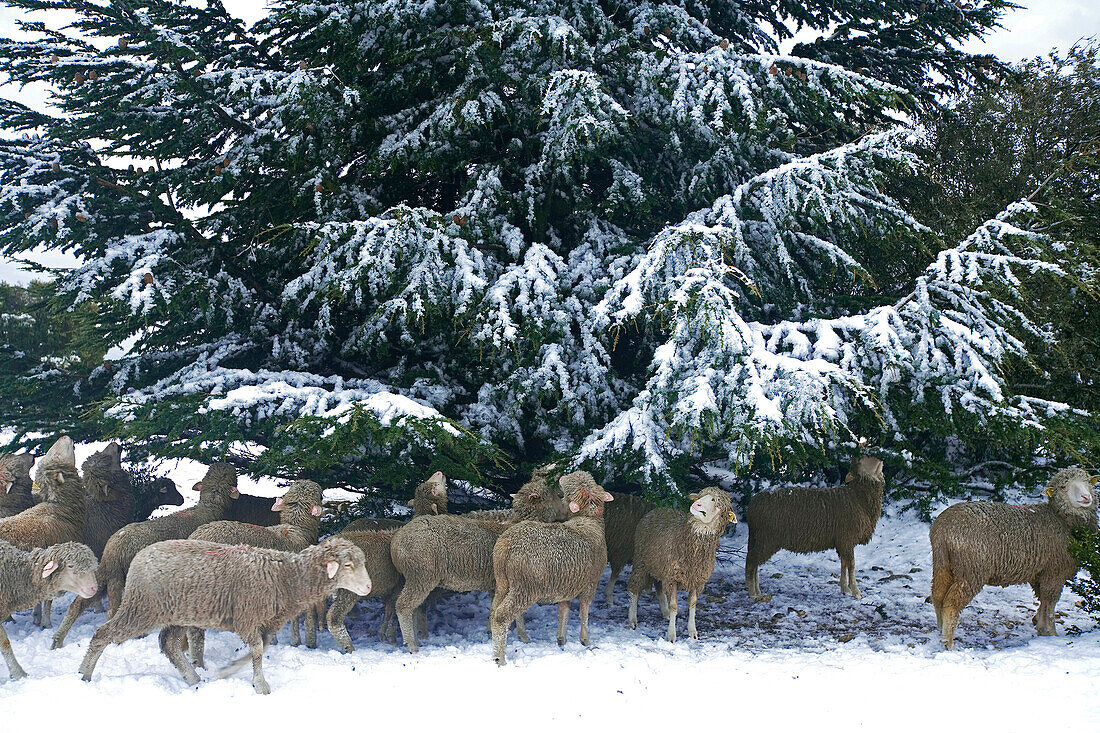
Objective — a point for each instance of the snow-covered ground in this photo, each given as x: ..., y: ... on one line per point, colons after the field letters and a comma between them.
x: 809, y: 657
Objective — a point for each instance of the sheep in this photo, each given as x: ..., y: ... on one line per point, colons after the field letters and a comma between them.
x: 385, y: 584
x: 109, y: 497
x: 619, y: 524
x: 15, y: 483
x: 251, y: 591
x: 429, y: 498
x: 678, y: 548
x: 251, y: 509
x: 60, y: 515
x: 28, y: 578
x: 537, y: 562
x: 980, y: 543
x: 810, y: 520
x: 456, y: 553
x: 153, y: 493
x: 299, y: 522
x: 217, y: 490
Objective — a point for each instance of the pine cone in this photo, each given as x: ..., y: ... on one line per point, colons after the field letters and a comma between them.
x: 80, y: 216
x: 56, y: 167
x: 93, y: 75
x: 53, y: 58
x: 459, y: 219
x: 78, y: 78
x: 123, y: 43
x: 319, y: 188
x: 723, y: 44
x: 147, y: 278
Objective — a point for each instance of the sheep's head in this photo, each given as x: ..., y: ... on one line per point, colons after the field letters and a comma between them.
x: 430, y: 497
x: 540, y: 499
x: 713, y: 508
x: 68, y: 567
x: 165, y: 491
x: 56, y: 473
x: 103, y: 472
x: 301, y: 499
x: 219, y: 485
x: 1072, y: 491
x: 15, y: 468
x: 586, y: 497
x: 346, y: 565
x: 867, y: 468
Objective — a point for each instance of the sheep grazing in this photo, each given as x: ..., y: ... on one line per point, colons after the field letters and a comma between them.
x: 27, y: 578
x: 430, y: 498
x: 217, y: 490
x: 15, y: 483
x: 551, y: 563
x: 810, y: 520
x: 60, y: 515
x: 251, y: 591
x: 299, y: 522
x: 385, y: 584
x: 619, y: 524
x: 456, y: 553
x: 980, y: 543
x: 678, y: 548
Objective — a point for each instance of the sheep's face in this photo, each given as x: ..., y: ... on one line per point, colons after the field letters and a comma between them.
x: 1081, y: 494
x: 541, y: 500
x: 100, y: 470
x: 7, y: 479
x: 867, y: 467
x: 12, y: 467
x: 71, y: 568
x: 430, y: 497
x: 713, y: 508
x: 586, y: 497
x: 167, y: 493
x: 346, y: 565
x: 302, y: 496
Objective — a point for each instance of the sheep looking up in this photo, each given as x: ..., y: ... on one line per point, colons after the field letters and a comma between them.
x: 109, y: 495
x: 429, y: 498
x: 810, y: 520
x: 980, y: 543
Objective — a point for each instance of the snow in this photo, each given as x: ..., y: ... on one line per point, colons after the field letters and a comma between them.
x: 758, y: 657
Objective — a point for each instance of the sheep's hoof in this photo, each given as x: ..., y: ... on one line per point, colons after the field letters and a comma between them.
x: 17, y: 674
x: 762, y: 598
x: 262, y: 687
x: 500, y: 661
x: 693, y: 635
x: 57, y: 643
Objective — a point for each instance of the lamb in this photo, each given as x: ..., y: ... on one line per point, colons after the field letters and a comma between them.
x: 15, y: 483
x: 810, y: 520
x: 429, y: 498
x: 456, y: 553
x: 678, y: 548
x: 299, y: 522
x: 60, y: 515
x: 251, y: 591
x: 385, y: 584
x: 619, y: 524
x: 216, y: 490
x: 551, y: 563
x: 27, y: 578
x: 980, y: 543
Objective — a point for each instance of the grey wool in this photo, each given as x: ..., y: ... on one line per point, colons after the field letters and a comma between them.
x: 217, y: 490
x: 109, y: 495
x: 456, y: 552
x: 27, y: 578
x: 429, y: 499
x: 299, y: 522
x: 536, y: 562
x: 15, y: 483
x: 250, y: 591
x: 678, y: 548
x: 385, y: 584
x: 620, y: 521
x: 803, y: 519
x: 980, y: 543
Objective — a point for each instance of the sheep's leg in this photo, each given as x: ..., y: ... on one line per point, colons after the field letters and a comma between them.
x: 341, y: 604
x: 170, y: 646
x: 75, y: 609
x: 311, y: 627
x: 693, y: 596
x: 853, y: 587
x: 1049, y: 594
x: 958, y: 596
x: 941, y: 581
x: 256, y: 646
x: 632, y: 614
x: 196, y: 645
x: 755, y: 556
x: 670, y: 591
x: 110, y: 632
x: 585, y: 603
x: 607, y: 592
x: 521, y: 630
x: 662, y: 600
x: 409, y: 600
x: 563, y: 617
x: 320, y: 618
x: 387, y: 629
x: 505, y: 609
x: 14, y: 670
x: 115, y: 586
x: 43, y: 611
x: 295, y: 632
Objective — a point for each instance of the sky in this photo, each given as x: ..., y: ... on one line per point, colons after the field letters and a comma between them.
x: 1028, y: 32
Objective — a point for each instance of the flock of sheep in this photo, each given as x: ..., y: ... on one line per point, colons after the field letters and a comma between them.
x: 221, y: 565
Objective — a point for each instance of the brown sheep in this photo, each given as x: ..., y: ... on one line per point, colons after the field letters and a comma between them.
x: 251, y: 591
x: 536, y: 562
x: 15, y: 483
x: 299, y: 523
x: 385, y: 584
x: 678, y: 548
x: 109, y: 495
x: 429, y: 498
x: 217, y: 490
x: 456, y: 553
x: 619, y: 524
x: 811, y: 520
x: 980, y: 543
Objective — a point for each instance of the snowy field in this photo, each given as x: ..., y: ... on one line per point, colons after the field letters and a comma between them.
x: 809, y: 657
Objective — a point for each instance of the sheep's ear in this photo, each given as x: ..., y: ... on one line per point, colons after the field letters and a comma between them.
x: 315, y: 511
x: 435, y: 509
x: 733, y: 517
x: 197, y: 486
x: 412, y: 503
x: 331, y: 568
x: 60, y: 477
x: 48, y: 568
x: 848, y: 478
x: 574, y: 507
x: 514, y: 495
x: 1094, y: 480
x: 277, y: 505
x: 693, y: 496
x: 608, y: 497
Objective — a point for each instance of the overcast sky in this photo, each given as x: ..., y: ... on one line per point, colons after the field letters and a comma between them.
x: 1028, y: 32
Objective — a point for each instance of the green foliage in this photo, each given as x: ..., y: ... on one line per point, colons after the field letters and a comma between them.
x: 1085, y: 546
